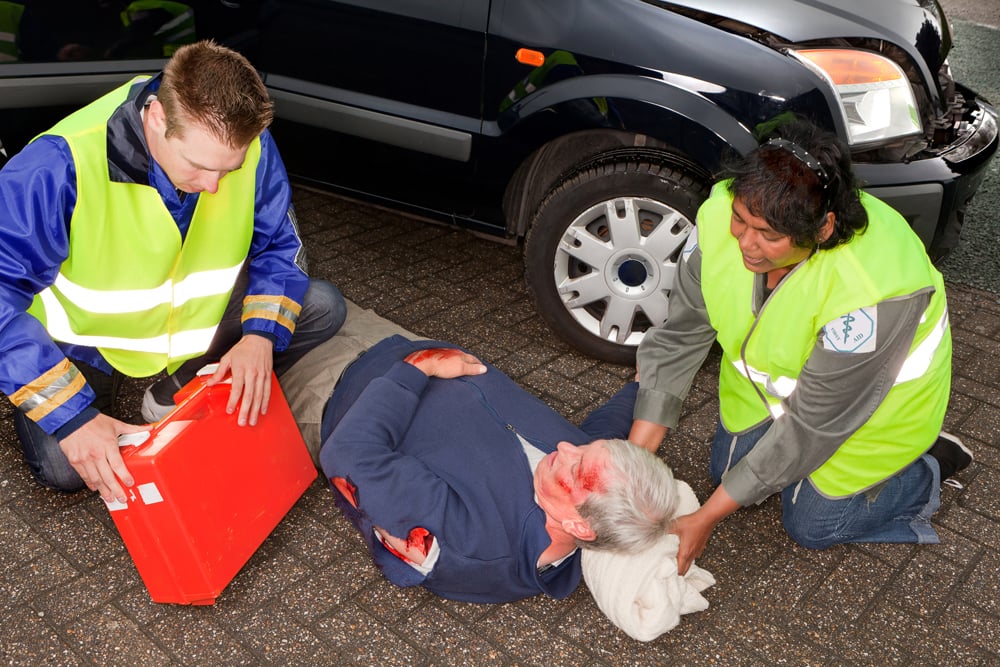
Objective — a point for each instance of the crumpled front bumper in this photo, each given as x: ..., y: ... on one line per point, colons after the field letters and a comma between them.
x: 933, y: 192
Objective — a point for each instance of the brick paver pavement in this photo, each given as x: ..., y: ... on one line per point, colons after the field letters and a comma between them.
x: 70, y: 594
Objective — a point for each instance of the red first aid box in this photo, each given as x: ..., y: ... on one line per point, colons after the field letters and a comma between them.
x: 208, y: 492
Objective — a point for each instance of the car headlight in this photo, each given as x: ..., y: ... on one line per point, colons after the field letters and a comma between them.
x: 875, y: 96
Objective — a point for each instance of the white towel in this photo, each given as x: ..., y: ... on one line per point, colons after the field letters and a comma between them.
x: 642, y: 593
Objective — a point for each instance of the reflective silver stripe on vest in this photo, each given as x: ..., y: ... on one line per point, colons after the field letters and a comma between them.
x: 919, y: 360
x: 184, y: 342
x: 115, y: 302
x: 180, y: 35
x: 780, y: 388
x: 206, y: 283
x: 916, y: 364
x: 194, y: 341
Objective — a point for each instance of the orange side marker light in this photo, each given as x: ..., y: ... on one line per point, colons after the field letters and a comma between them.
x: 530, y: 57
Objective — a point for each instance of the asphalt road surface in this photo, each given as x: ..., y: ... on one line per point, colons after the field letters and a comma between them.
x: 974, y: 58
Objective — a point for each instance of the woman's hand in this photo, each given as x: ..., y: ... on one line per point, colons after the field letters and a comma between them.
x: 694, y: 529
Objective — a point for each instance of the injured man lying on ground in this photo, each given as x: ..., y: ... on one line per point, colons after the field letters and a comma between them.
x: 462, y: 482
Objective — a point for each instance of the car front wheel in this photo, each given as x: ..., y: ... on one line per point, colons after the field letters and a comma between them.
x: 601, y: 253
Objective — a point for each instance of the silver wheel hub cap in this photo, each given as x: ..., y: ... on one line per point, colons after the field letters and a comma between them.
x: 615, y: 264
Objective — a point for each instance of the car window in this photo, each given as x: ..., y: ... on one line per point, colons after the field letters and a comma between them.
x: 404, y: 56
x: 99, y: 30
x: 464, y: 13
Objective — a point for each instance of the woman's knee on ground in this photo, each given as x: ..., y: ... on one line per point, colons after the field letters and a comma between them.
x: 808, y: 536
x: 807, y: 531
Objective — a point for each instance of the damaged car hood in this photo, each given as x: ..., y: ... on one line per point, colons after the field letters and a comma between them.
x: 914, y: 25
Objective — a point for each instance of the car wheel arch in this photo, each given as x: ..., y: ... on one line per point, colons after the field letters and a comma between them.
x: 553, y: 162
x: 689, y: 144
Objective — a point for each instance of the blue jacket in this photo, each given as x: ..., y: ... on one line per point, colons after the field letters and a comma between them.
x: 38, y: 192
x: 444, y: 455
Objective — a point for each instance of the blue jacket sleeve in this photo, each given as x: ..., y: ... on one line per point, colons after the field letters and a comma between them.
x: 37, y: 196
x: 277, y: 266
x: 392, y: 490
x: 614, y: 418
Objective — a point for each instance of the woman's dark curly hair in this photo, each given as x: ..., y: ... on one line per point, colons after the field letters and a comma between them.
x: 775, y: 182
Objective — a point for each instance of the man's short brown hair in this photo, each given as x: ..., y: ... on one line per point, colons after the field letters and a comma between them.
x: 219, y: 90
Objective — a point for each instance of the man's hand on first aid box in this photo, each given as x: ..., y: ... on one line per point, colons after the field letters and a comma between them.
x: 249, y: 362
x: 92, y: 450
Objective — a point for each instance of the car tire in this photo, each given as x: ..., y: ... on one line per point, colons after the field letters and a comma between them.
x: 600, y: 285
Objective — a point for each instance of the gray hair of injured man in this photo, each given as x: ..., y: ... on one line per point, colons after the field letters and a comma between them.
x: 638, y: 504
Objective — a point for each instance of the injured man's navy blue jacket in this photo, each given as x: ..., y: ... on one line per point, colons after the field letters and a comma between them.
x: 447, y: 465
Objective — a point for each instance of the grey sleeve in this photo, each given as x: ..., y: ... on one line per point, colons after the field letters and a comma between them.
x: 670, y: 355
x: 837, y: 392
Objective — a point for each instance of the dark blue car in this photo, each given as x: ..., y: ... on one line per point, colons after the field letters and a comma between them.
x: 588, y: 130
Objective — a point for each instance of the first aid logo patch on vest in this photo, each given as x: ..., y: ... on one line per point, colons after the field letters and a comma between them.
x: 853, y: 332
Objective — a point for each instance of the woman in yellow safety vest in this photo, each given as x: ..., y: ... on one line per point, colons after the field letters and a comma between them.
x: 836, y: 352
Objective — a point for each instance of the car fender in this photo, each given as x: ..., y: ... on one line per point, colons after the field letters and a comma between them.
x: 646, y: 98
x: 560, y: 128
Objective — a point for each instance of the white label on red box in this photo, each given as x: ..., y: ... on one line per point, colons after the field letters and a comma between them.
x: 150, y: 494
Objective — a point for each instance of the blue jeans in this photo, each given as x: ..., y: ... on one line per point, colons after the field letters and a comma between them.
x: 323, y: 313
x: 899, y: 510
